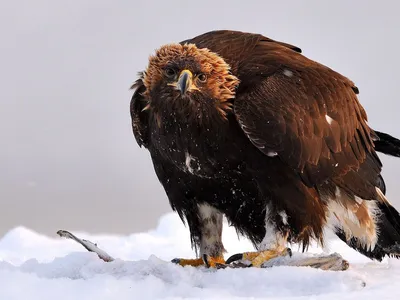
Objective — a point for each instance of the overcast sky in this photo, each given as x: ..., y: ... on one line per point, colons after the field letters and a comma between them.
x: 68, y: 158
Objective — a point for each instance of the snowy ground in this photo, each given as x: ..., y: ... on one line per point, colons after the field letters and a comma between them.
x: 33, y: 266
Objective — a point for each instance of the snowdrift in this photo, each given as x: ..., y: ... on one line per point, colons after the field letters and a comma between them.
x: 33, y: 266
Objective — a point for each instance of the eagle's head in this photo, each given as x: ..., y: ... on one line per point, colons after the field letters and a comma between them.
x: 186, y: 77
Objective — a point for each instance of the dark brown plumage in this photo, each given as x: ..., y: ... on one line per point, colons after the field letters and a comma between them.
x: 244, y: 126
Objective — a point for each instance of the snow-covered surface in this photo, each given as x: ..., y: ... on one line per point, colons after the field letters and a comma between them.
x: 33, y: 266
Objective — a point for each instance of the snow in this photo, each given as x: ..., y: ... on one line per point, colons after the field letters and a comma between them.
x: 33, y: 266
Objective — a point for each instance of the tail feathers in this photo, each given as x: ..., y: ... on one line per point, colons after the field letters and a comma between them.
x: 388, y: 218
x: 388, y: 243
x: 387, y: 144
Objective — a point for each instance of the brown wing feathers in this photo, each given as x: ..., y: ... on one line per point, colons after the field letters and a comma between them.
x: 139, y: 118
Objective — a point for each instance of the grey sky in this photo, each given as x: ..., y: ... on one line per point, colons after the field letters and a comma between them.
x: 68, y: 158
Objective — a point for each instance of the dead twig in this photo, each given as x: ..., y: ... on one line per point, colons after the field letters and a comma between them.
x: 92, y: 247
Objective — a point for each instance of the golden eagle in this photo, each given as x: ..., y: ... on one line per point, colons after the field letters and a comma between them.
x: 246, y: 127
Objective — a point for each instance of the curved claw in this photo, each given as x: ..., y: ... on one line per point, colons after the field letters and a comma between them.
x: 253, y: 256
x: 217, y: 262
x: 289, y: 252
x: 205, y: 259
x: 234, y: 257
x: 176, y: 260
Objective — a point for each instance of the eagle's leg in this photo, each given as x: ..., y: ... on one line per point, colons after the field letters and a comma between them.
x: 207, y: 230
x: 205, y: 260
x: 272, y: 246
x: 257, y: 259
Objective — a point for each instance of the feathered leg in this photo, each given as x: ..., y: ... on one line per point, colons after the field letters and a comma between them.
x: 207, y: 234
x: 273, y: 249
x: 273, y: 244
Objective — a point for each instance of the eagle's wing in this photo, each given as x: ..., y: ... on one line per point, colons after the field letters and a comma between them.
x: 303, y: 112
x: 234, y: 46
x: 311, y: 120
x: 138, y: 115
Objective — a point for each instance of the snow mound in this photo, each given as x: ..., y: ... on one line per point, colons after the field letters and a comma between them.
x: 33, y: 266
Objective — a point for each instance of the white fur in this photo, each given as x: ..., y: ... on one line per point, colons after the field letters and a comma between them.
x: 207, y: 243
x: 206, y: 211
x: 191, y: 164
x: 284, y: 217
x: 328, y: 119
x: 273, y: 239
x: 188, y: 160
x: 339, y: 216
x: 287, y: 73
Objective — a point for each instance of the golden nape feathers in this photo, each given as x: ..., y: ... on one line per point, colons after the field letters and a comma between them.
x: 209, y: 73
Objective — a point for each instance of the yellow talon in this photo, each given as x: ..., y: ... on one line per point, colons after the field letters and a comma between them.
x: 188, y: 262
x: 257, y: 259
x: 213, y: 262
x: 250, y: 255
x: 267, y: 255
x: 210, y: 262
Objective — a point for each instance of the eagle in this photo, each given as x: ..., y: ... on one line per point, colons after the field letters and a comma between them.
x: 245, y: 127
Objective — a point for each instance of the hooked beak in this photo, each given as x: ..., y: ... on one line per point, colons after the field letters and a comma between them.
x: 184, y: 82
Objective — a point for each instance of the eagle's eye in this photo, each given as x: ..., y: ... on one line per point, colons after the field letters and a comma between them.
x: 169, y: 73
x: 202, y: 77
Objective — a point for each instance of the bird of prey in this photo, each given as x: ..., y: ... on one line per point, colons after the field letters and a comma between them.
x: 246, y: 127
